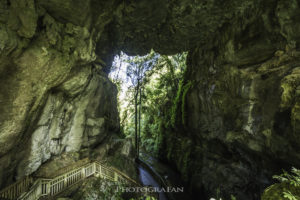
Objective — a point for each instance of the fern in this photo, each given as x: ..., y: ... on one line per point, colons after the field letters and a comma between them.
x: 292, y: 179
x: 290, y: 196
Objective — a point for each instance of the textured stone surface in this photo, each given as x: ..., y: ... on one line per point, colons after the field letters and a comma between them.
x: 243, y: 109
x: 241, y: 122
x: 70, y: 125
x: 51, y: 86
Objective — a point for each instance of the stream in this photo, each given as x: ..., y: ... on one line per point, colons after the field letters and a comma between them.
x: 147, y: 180
x: 170, y: 177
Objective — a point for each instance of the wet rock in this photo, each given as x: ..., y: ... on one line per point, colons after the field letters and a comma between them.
x: 242, y: 111
x: 242, y: 128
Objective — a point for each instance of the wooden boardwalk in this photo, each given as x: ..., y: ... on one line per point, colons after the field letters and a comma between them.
x: 30, y: 189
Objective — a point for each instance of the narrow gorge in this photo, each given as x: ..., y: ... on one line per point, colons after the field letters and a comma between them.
x: 235, y: 117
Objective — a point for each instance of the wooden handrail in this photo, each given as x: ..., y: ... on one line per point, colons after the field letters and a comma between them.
x: 50, y: 187
x: 16, y: 189
x: 79, y: 163
x: 125, y: 176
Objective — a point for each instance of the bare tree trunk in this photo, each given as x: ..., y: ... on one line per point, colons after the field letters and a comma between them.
x: 140, y: 107
x: 136, y: 118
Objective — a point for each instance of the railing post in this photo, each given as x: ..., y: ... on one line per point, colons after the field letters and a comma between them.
x: 48, y: 188
x: 95, y: 168
x: 115, y: 176
x: 65, y: 181
x: 100, y: 171
x: 39, y: 190
x: 83, y: 172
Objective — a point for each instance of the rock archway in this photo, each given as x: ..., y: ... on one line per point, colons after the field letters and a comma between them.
x: 243, y: 111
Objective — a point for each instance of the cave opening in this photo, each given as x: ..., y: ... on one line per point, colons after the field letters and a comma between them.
x: 147, y: 89
x: 58, y: 105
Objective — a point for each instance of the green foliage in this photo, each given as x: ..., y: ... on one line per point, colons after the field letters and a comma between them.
x: 292, y: 179
x: 164, y: 82
x: 185, y: 90
x: 98, y: 189
x: 145, y: 198
x: 288, y: 188
x: 290, y: 196
x: 220, y: 197
x: 180, y: 100
x: 160, y: 83
x: 176, y: 102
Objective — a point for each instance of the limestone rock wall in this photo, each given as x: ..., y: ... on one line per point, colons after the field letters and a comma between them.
x: 242, y: 110
x: 54, y: 96
x: 72, y: 120
x: 242, y: 125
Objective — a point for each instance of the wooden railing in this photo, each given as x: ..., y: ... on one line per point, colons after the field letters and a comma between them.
x: 51, y: 187
x: 15, y: 190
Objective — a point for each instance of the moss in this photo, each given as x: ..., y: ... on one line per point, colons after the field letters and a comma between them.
x: 289, y: 86
x: 185, y: 91
x: 287, y: 94
x: 180, y: 100
x: 117, y: 160
x: 159, y: 139
x: 295, y: 120
x: 185, y: 158
x: 98, y: 188
x: 170, y: 151
x: 176, y: 102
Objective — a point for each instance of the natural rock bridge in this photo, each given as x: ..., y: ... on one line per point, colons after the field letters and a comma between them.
x: 34, y: 189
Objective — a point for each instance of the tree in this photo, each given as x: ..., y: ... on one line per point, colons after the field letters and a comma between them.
x: 152, y: 84
x: 136, y: 72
